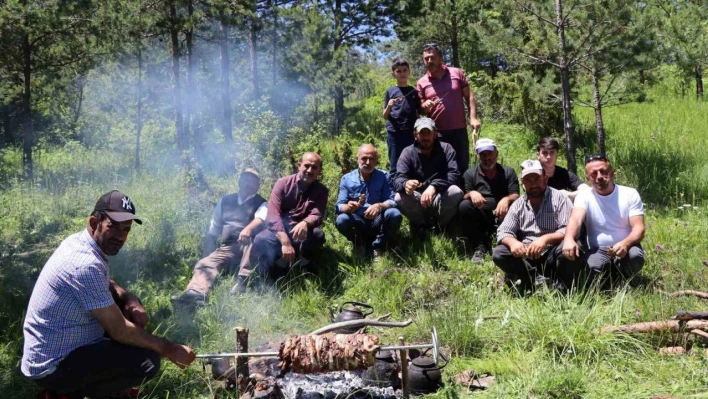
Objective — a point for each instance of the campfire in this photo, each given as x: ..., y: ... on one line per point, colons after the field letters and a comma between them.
x: 330, y: 365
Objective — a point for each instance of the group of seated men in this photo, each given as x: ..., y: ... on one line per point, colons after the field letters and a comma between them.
x: 85, y: 336
x: 538, y: 237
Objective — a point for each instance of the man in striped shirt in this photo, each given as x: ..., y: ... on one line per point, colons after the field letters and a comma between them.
x: 84, y: 334
x: 531, y: 234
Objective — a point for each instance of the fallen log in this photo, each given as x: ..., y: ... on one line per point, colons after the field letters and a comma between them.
x: 700, y: 333
x: 673, y: 326
x: 685, y: 315
x: 699, y: 294
x: 361, y: 323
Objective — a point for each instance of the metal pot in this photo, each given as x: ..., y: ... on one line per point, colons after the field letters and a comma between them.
x: 350, y: 311
x: 424, y: 376
x: 384, y: 372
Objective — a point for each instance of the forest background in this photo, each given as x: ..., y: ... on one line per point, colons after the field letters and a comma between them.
x: 168, y: 99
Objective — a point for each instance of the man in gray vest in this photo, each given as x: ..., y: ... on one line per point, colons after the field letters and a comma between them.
x: 237, y: 218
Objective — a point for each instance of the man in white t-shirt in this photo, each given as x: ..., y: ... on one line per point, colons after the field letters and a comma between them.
x: 614, y: 218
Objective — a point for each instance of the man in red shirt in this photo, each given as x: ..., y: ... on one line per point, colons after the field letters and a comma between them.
x: 443, y: 91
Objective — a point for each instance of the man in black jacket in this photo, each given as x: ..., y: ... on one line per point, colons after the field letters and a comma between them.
x: 490, y: 188
x: 237, y: 218
x: 425, y: 179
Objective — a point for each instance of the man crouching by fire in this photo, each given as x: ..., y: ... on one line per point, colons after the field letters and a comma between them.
x: 295, y: 212
x: 84, y: 334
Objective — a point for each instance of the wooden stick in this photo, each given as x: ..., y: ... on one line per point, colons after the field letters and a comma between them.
x: 685, y: 315
x: 361, y: 323
x: 700, y: 333
x: 703, y: 295
x: 673, y: 326
x: 242, y: 372
x: 404, y: 368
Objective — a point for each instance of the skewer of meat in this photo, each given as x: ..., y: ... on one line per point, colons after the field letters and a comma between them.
x: 327, y: 352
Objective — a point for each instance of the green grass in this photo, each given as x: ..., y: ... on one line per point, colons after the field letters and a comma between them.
x: 543, y: 346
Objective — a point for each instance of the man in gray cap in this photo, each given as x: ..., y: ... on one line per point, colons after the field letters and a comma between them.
x: 531, y: 234
x: 425, y: 180
x: 84, y: 334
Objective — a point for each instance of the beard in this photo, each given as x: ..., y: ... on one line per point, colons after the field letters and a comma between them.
x: 535, y: 193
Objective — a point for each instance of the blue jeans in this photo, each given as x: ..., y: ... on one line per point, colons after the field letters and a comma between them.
x: 376, y: 232
x: 396, y: 142
x: 267, y: 249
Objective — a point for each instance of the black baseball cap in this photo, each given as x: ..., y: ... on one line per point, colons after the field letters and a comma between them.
x: 117, y: 206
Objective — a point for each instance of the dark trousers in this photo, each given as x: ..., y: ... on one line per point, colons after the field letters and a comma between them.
x: 396, y: 142
x: 101, y: 369
x: 598, y: 262
x: 551, y: 264
x: 376, y: 232
x: 460, y: 142
x: 477, y: 223
x: 267, y: 248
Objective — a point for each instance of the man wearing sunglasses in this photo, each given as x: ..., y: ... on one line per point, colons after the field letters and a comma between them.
x: 443, y: 91
x: 614, y: 218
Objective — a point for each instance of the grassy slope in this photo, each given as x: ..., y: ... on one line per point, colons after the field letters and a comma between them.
x: 544, y: 347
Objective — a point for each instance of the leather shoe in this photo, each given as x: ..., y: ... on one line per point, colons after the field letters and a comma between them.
x: 190, y: 297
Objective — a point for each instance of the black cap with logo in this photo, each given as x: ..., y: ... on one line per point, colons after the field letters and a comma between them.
x: 117, y: 206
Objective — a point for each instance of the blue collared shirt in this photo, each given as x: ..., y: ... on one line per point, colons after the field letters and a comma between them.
x: 377, y: 189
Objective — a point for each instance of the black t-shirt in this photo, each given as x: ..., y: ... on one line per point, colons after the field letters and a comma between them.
x: 403, y: 113
x: 504, y: 183
x: 563, y: 179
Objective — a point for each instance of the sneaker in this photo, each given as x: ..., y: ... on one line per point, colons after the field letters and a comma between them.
x: 377, y: 254
x: 189, y: 298
x: 478, y: 256
x: 240, y: 286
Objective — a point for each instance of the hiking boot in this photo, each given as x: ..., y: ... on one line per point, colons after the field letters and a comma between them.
x: 189, y: 298
x: 478, y: 256
x: 240, y: 286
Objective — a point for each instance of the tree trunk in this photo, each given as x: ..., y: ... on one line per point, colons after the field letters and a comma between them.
x: 139, y: 111
x: 191, y: 125
x: 642, y: 78
x: 597, y: 103
x: 253, y: 52
x: 7, y: 126
x: 454, y: 40
x: 274, y: 45
x: 338, y: 89
x: 182, y: 143
x: 79, y: 105
x: 27, y: 132
x: 699, y: 82
x: 226, y: 128
x: 568, y: 127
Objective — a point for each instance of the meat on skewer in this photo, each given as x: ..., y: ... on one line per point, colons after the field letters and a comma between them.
x: 327, y: 352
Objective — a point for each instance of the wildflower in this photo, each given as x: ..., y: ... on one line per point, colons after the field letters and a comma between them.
x: 638, y: 312
x: 673, y: 251
x: 385, y: 272
x: 686, y: 205
x: 695, y: 208
x: 659, y: 247
x: 680, y: 208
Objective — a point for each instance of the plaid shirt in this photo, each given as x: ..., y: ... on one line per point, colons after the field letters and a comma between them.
x: 522, y: 223
x: 74, y: 281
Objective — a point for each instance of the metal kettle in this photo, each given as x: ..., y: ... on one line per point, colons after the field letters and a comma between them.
x: 351, y: 311
x: 384, y: 372
x: 424, y: 375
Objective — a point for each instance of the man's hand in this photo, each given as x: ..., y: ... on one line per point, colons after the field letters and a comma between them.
x: 620, y: 250
x: 134, y: 311
x: 475, y: 123
x: 299, y: 232
x: 518, y: 249
x: 244, y: 237
x: 476, y: 198
x: 411, y: 185
x: 288, y: 252
x: 350, y: 207
x: 535, y: 249
x: 428, y: 105
x: 502, y: 208
x: 393, y: 101
x: 373, y: 211
x: 181, y: 355
x: 426, y: 199
x: 570, y: 249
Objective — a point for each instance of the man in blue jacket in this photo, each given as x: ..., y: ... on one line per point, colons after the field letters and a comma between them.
x: 366, y: 213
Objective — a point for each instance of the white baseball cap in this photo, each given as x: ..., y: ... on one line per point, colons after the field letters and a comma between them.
x: 485, y: 145
x: 531, y: 166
